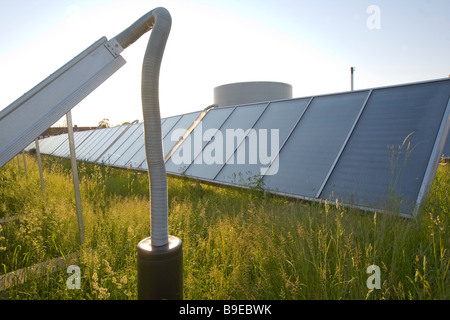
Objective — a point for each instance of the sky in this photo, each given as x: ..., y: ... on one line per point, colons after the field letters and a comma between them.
x: 308, y: 44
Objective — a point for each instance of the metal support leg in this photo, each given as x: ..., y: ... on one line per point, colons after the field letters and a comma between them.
x: 76, y: 185
x: 41, y: 174
x: 25, y: 164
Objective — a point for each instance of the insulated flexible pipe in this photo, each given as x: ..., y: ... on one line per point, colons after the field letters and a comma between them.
x: 160, y: 21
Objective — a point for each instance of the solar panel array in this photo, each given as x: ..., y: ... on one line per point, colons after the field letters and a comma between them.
x: 375, y: 149
x: 120, y: 146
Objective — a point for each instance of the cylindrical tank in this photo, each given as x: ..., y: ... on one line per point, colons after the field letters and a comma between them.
x: 249, y: 92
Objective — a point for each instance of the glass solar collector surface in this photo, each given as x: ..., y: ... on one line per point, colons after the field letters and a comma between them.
x: 387, y: 155
x: 84, y: 136
x: 182, y: 125
x: 107, y: 142
x: 60, y: 149
x: 280, y: 116
x: 97, y: 143
x: 314, y: 144
x: 87, y: 143
x: 375, y: 149
x: 49, y: 141
x: 53, y: 143
x: 195, y: 144
x: 224, y: 141
x: 63, y: 149
x: 128, y: 149
x: 135, y: 156
x: 168, y: 124
x: 122, y: 144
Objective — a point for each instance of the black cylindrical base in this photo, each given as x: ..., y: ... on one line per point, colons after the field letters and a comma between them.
x: 160, y: 270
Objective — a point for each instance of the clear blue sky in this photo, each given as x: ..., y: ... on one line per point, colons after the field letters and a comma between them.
x: 309, y: 44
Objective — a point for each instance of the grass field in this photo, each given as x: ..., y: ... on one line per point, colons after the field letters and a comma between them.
x: 238, y: 244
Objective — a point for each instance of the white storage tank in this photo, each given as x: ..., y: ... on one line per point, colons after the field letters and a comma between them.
x: 249, y: 92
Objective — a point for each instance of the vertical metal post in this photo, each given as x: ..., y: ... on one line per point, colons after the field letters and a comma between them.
x: 18, y: 163
x: 24, y: 164
x: 76, y: 185
x: 352, y: 71
x: 41, y: 174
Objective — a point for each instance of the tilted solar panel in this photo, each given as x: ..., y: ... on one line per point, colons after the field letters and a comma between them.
x: 126, y: 151
x: 88, y: 143
x: 385, y: 159
x: 96, y: 142
x: 278, y: 120
x: 119, y: 148
x: 63, y: 149
x: 113, y: 133
x: 376, y: 149
x: 223, y: 141
x: 51, y: 144
x: 213, y: 120
x: 178, y: 130
x: 312, y: 147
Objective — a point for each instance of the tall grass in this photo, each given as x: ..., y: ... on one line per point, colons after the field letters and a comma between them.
x: 237, y: 244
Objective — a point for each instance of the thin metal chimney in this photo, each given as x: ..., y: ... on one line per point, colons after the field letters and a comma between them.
x: 352, y: 71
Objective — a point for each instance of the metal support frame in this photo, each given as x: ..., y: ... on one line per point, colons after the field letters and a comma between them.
x: 41, y: 174
x: 24, y: 164
x: 76, y: 185
x: 27, y: 117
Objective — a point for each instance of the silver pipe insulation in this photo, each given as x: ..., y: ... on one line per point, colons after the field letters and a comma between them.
x: 160, y: 21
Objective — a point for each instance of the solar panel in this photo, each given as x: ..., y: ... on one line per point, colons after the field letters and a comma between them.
x: 223, y: 141
x: 211, y: 121
x: 181, y: 126
x: 49, y: 145
x: 312, y: 147
x: 24, y: 119
x: 375, y: 149
x: 138, y: 159
x: 128, y: 149
x: 60, y: 151
x: 281, y: 116
x: 95, y: 143
x: 122, y: 144
x: 386, y: 157
x: 113, y: 133
x: 88, y: 143
x: 168, y: 124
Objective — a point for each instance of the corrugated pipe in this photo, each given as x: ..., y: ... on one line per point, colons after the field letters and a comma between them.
x: 160, y: 21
